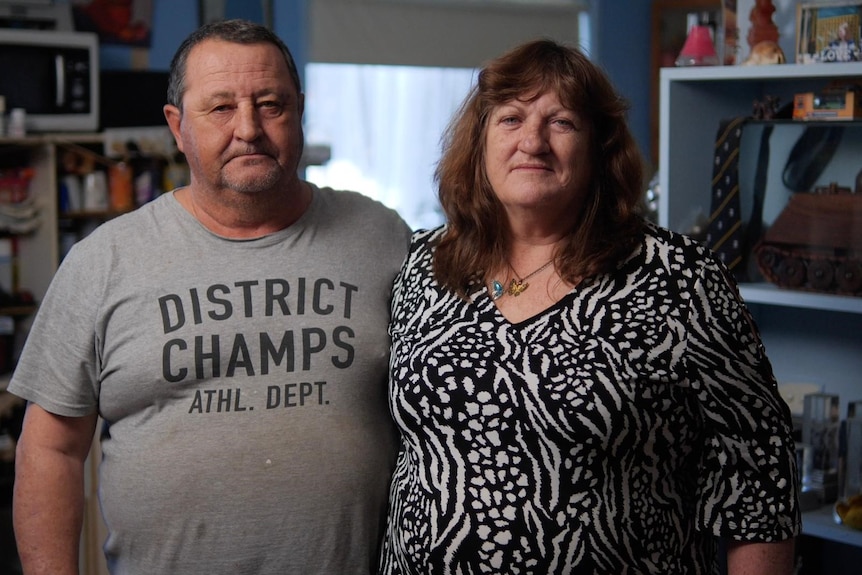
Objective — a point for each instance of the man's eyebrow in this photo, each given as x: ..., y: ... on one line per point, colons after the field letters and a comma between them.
x: 218, y: 96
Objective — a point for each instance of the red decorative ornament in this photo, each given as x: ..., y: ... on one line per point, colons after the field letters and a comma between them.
x: 762, y: 28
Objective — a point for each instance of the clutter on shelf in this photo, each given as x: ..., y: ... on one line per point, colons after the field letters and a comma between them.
x: 816, y: 242
x: 19, y: 211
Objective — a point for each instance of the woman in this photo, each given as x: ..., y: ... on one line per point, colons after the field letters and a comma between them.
x: 577, y: 390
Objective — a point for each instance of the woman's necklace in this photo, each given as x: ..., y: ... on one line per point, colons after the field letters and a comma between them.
x: 516, y: 286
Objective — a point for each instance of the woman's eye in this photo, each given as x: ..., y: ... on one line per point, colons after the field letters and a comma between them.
x: 509, y: 120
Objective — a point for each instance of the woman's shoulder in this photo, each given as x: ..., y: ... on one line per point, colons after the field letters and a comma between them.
x: 422, y: 244
x: 673, y: 251
x: 665, y: 238
x: 427, y: 237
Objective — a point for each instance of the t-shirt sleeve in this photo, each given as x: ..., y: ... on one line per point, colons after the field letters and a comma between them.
x: 58, y: 368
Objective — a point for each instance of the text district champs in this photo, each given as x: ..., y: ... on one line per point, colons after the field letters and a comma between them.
x: 198, y: 357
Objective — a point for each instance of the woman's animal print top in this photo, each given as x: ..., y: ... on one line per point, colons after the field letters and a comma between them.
x: 617, y: 432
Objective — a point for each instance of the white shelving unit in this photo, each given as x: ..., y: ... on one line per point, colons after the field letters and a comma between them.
x: 772, y: 295
x: 821, y: 523
x: 39, y: 251
x: 39, y: 256
x: 809, y: 337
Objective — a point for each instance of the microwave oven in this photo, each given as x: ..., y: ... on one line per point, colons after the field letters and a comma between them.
x: 53, y: 76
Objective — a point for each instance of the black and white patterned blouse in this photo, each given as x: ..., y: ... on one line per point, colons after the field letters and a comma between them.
x: 619, y: 431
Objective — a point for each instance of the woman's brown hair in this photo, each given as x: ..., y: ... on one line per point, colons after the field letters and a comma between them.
x: 610, y: 223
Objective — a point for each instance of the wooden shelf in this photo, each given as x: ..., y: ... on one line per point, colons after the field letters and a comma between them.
x: 17, y: 310
x: 88, y: 215
x: 54, y: 138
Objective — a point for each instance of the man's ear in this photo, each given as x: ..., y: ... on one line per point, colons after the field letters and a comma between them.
x: 174, y: 117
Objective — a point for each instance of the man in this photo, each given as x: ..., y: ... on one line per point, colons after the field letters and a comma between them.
x: 232, y: 335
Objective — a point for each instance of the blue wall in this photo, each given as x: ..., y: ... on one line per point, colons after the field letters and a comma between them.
x: 621, y: 44
x: 173, y: 20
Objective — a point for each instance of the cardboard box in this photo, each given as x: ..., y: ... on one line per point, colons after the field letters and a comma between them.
x: 837, y: 104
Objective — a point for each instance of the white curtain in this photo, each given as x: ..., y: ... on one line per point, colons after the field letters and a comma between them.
x: 384, y: 125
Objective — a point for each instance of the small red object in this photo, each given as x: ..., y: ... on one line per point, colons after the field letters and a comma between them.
x: 698, y: 49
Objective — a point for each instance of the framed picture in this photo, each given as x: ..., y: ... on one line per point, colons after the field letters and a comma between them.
x: 828, y: 32
x: 126, y: 23
x: 212, y: 10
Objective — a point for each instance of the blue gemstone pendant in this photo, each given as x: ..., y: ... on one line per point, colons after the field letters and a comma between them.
x: 496, y: 290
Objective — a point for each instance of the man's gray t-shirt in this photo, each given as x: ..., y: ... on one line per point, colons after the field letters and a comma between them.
x: 242, y: 383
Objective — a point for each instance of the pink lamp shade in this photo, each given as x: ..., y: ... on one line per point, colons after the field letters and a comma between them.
x: 698, y: 49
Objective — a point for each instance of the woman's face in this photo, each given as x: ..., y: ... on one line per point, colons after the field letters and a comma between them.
x: 538, y: 156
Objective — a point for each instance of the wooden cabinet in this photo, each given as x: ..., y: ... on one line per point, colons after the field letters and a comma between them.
x: 810, y: 337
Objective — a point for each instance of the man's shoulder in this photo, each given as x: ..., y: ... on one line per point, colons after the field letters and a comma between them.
x: 360, y: 209
x: 138, y: 226
x: 350, y: 198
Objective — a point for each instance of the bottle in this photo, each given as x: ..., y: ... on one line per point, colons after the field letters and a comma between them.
x: 95, y: 194
x: 17, y: 123
x: 120, y: 187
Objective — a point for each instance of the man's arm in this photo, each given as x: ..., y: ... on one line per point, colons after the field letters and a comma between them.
x: 760, y: 558
x: 48, y: 503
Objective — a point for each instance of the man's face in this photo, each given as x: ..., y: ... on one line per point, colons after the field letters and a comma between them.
x: 241, y: 124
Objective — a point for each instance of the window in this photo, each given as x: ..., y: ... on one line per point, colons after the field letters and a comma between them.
x: 384, y: 125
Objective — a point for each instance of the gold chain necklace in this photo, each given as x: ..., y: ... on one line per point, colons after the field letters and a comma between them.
x: 516, y: 286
